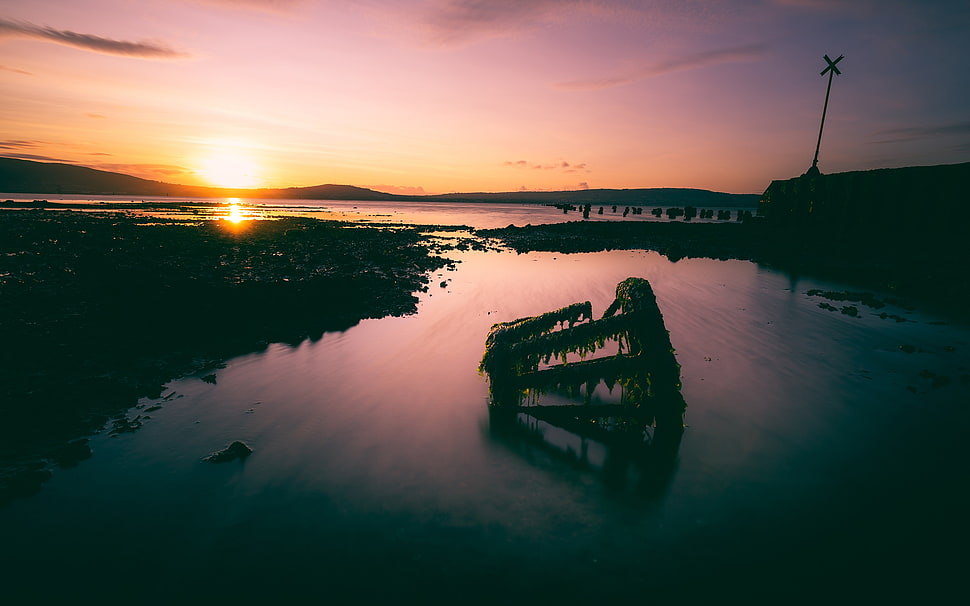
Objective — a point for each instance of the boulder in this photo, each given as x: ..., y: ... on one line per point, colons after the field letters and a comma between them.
x: 236, y: 450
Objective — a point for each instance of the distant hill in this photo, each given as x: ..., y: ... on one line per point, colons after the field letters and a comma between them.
x: 25, y: 176
x: 323, y: 192
x: 657, y: 196
x: 29, y: 177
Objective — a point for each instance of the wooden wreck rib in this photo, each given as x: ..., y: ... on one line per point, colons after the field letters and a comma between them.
x: 645, y: 366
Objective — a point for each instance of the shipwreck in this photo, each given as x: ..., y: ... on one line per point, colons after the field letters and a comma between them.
x: 554, y: 353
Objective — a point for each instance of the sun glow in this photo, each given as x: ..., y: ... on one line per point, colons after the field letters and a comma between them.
x: 229, y: 167
x: 235, y: 211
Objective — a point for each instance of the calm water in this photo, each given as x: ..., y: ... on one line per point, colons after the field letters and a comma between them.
x: 476, y: 215
x: 814, y: 448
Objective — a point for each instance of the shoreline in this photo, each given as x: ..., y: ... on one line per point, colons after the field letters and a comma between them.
x: 102, y: 308
x: 924, y: 272
x: 99, y: 309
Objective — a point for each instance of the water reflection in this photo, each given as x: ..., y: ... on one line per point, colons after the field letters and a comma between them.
x: 625, y: 454
x: 471, y: 214
x: 377, y: 464
x: 235, y: 212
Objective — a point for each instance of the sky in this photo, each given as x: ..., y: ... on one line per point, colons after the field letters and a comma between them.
x: 439, y: 96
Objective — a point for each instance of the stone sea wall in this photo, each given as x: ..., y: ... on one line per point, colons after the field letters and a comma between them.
x: 919, y: 201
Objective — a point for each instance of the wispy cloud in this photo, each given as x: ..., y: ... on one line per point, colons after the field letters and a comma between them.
x: 15, y: 70
x: 35, y: 157
x: 19, y: 144
x: 813, y: 4
x: 453, y: 21
x: 560, y: 166
x: 450, y: 23
x: 911, y: 133
x: 735, y: 54
x: 456, y: 22
x: 145, y: 49
x: 145, y: 171
x: 270, y: 6
x: 398, y: 189
x: 841, y: 6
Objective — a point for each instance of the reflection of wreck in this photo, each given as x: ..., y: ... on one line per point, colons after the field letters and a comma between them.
x: 649, y: 412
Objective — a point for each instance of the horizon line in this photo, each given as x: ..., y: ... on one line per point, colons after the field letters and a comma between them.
x: 424, y: 195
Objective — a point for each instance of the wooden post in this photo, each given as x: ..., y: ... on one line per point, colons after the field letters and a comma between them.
x: 832, y: 70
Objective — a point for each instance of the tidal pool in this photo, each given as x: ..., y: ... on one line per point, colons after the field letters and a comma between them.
x: 822, y: 455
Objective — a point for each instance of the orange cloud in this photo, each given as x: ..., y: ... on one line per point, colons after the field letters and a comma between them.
x: 145, y: 171
x: 15, y: 70
x: 19, y: 144
x: 398, y: 189
x: 562, y: 165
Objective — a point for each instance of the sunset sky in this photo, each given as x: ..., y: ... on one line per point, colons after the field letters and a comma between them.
x: 436, y: 96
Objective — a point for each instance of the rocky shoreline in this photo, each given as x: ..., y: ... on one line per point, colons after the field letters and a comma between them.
x: 922, y: 269
x: 98, y: 309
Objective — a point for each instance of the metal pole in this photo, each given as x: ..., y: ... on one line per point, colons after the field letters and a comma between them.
x: 824, y: 109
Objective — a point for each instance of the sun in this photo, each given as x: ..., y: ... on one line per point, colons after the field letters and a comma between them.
x: 228, y: 167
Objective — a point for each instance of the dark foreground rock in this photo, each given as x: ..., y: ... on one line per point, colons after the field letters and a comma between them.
x: 99, y: 309
x: 236, y: 450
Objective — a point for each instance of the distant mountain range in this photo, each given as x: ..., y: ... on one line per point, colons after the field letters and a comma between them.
x: 29, y: 177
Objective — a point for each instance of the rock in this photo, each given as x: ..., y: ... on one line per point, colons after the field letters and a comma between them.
x: 72, y: 453
x: 236, y: 450
x: 126, y: 425
x: 937, y: 380
x: 23, y: 483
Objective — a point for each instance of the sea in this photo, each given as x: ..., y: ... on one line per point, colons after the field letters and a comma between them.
x: 477, y: 215
x: 823, y: 455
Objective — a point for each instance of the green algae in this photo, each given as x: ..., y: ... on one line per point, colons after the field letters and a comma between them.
x: 645, y: 366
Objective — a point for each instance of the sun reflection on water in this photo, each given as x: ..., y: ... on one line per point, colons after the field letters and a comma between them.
x: 236, y: 214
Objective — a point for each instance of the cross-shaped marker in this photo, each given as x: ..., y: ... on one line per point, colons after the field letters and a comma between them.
x: 832, y: 65
x: 832, y: 70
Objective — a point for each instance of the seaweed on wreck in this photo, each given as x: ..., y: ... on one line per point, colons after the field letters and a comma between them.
x: 645, y: 366
x: 643, y: 429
